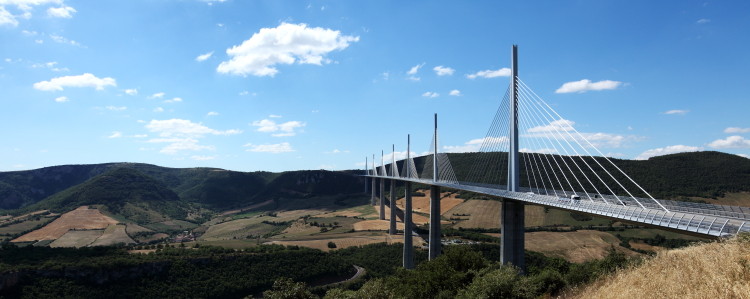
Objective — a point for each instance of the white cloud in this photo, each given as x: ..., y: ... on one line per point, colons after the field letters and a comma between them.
x: 182, y: 135
x: 158, y: 109
x: 63, y: 40
x: 131, y: 91
x: 61, y: 12
x: 140, y: 136
x: 283, y: 129
x: 6, y: 18
x: 672, y: 149
x: 735, y: 130
x: 184, y: 128
x: 157, y: 95
x: 503, y: 72
x: 283, y: 147
x: 677, y: 111
x: 743, y: 155
x: 25, y: 7
x: 455, y: 93
x: 85, y: 80
x: 430, y: 94
x: 285, y: 44
x: 703, y: 21
x: 443, y: 70
x: 202, y: 158
x: 274, y: 116
x: 212, y: 113
x: 413, y: 70
x: 337, y: 151
x: 62, y: 99
x: 475, y: 145
x: 586, y: 85
x: 115, y: 134
x: 731, y: 142
x: 115, y: 108
x: 50, y: 65
x: 557, y: 129
x: 173, y: 100
x: 203, y: 57
x: 560, y: 125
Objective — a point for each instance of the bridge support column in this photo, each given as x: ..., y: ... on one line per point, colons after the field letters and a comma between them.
x: 512, y: 237
x: 382, y: 199
x: 372, y: 198
x: 408, y: 244
x: 392, y: 205
x: 435, y: 234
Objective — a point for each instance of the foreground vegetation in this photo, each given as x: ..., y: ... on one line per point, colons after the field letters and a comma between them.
x: 212, y: 272
x: 709, y: 270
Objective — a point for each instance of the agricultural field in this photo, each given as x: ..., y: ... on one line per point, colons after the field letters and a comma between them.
x: 24, y: 225
x: 82, y: 218
x: 479, y: 214
x: 578, y: 246
x: 741, y: 199
x: 113, y: 234
x: 421, y: 204
x: 77, y: 238
x: 368, y: 225
x: 345, y: 242
x: 241, y: 228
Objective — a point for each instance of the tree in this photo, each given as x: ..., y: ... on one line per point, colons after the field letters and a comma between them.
x: 286, y: 288
x: 331, y: 244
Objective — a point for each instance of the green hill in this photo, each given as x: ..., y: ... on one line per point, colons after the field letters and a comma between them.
x: 122, y: 191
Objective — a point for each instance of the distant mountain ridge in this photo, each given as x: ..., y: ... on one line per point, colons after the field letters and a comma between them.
x: 702, y: 174
x: 61, y: 187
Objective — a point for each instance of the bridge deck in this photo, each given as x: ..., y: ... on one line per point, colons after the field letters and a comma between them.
x: 692, y: 218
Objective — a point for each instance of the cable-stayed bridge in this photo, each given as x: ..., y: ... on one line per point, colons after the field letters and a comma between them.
x: 532, y: 155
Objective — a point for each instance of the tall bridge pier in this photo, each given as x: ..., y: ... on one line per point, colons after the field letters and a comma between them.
x: 512, y: 214
x: 374, y: 170
x: 392, y: 199
x: 382, y: 190
x: 434, y: 238
x: 408, y: 244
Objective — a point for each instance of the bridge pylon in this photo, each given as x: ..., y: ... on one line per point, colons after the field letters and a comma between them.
x: 434, y: 238
x: 512, y: 213
x: 382, y: 189
x: 392, y: 200
x: 408, y: 239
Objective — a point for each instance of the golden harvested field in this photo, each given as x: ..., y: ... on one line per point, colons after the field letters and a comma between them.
x: 77, y: 238
x: 644, y: 246
x: 482, y: 214
x: 376, y: 225
x: 347, y: 242
x: 114, y: 234
x: 299, y: 227
x: 712, y: 270
x: 80, y: 218
x: 577, y: 247
x: 422, y: 203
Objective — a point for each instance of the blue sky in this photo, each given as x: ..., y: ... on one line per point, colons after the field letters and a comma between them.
x: 286, y: 85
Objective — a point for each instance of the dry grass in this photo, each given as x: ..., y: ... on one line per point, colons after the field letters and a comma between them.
x: 77, y: 238
x: 80, y: 218
x: 113, y: 235
x: 376, y: 225
x: 713, y: 270
x: 347, y: 242
x: 577, y: 247
x: 481, y: 214
x: 422, y: 203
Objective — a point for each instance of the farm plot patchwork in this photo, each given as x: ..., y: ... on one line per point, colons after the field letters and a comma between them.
x: 81, y: 218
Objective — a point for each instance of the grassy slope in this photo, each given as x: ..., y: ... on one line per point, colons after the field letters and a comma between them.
x: 712, y: 270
